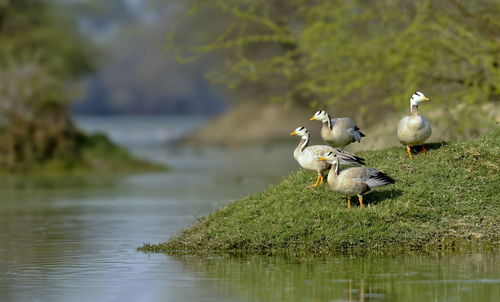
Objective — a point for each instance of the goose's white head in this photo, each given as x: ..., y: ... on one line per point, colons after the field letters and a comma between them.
x: 301, y: 131
x: 330, y: 157
x: 320, y: 116
x: 418, y: 97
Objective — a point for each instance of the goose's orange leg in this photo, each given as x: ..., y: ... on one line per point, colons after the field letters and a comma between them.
x: 314, y: 185
x: 360, y: 197
x: 348, y: 202
x: 409, y: 152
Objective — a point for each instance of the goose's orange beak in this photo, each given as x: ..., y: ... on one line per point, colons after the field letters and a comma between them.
x: 426, y: 98
x: 293, y: 133
x: 313, y: 118
x: 321, y: 158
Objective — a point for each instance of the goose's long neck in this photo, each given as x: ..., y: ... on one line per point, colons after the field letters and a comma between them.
x: 304, y: 142
x: 329, y: 121
x: 413, y: 109
x: 334, y: 171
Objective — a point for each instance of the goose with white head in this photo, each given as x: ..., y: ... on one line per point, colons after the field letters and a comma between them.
x: 308, y: 156
x: 338, y: 132
x: 353, y: 181
x: 414, y: 129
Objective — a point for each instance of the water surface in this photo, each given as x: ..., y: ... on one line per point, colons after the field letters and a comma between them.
x: 75, y: 238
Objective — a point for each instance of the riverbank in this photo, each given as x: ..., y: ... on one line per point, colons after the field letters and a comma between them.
x: 444, y: 199
x: 95, y: 154
x: 251, y: 124
x: 269, y: 123
x: 100, y: 154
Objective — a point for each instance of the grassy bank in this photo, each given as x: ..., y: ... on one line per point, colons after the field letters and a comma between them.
x: 99, y: 153
x: 446, y: 198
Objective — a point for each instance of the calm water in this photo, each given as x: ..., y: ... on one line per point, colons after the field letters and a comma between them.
x: 75, y: 238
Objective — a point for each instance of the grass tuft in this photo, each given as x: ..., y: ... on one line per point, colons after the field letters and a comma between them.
x: 447, y: 198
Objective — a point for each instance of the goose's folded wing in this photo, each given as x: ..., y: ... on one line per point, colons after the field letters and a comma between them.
x: 357, y: 174
x: 319, y: 150
x: 343, y: 122
x: 377, y: 179
x: 349, y: 158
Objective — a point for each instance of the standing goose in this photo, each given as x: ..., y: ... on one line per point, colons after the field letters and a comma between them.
x: 338, y: 132
x: 354, y: 181
x: 414, y: 129
x: 308, y: 156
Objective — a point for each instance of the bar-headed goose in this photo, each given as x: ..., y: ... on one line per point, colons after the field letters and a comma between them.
x: 308, y: 156
x: 414, y: 129
x: 353, y: 181
x: 337, y: 132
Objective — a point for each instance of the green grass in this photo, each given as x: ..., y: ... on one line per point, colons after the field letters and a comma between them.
x: 447, y: 198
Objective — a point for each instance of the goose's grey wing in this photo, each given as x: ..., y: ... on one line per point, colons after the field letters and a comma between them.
x: 320, y: 150
x: 344, y: 122
x: 349, y: 125
x: 347, y: 158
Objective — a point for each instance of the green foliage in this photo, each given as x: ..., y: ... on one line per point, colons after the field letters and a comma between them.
x: 445, y: 198
x: 365, y: 53
x: 34, y: 30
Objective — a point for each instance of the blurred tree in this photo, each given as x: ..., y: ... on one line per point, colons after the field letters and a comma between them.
x: 40, y: 51
x: 101, y: 17
x: 134, y: 75
x: 348, y: 53
x: 251, y: 45
x: 35, y: 124
x: 35, y: 30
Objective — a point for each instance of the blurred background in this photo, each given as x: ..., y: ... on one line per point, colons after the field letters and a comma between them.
x: 121, y: 121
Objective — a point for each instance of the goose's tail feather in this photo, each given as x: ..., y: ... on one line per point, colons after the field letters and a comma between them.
x: 357, y: 134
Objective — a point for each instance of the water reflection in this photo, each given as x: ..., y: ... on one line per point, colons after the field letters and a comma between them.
x: 459, y: 277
